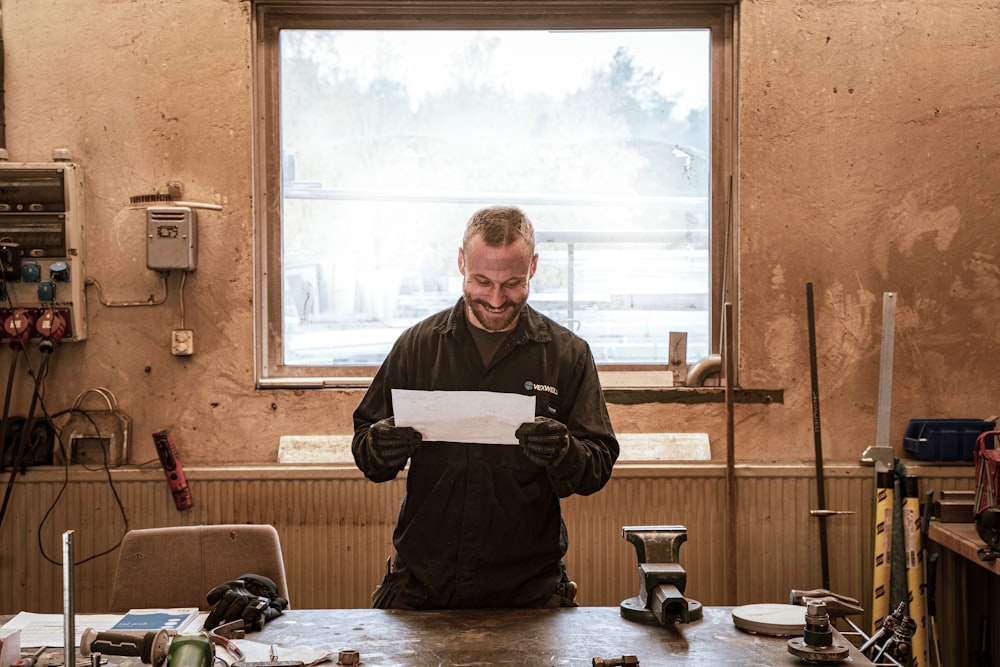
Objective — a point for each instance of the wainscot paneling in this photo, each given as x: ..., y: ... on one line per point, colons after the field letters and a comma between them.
x: 336, y: 528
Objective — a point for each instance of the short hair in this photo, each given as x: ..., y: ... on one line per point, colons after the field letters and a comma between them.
x: 500, y: 226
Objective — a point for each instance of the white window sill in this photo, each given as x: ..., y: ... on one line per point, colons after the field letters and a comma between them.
x: 299, y: 449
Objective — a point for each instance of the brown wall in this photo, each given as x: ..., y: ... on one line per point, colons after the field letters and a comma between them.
x: 869, y: 163
x: 870, y: 155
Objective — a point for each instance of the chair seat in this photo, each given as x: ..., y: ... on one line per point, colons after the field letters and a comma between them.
x: 178, y: 566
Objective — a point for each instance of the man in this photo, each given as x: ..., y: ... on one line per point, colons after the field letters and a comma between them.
x: 481, y: 525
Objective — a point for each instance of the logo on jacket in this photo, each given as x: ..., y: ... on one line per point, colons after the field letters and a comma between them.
x: 531, y: 386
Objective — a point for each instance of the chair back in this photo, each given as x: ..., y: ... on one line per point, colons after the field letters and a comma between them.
x: 177, y: 566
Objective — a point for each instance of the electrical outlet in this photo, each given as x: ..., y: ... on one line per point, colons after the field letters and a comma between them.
x: 182, y: 343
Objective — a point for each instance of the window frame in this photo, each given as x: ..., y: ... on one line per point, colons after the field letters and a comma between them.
x: 272, y: 16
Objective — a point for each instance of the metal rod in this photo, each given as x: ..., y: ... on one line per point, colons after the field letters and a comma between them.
x: 733, y: 582
x: 69, y: 602
x: 817, y: 439
x: 570, y: 287
x: 885, y: 369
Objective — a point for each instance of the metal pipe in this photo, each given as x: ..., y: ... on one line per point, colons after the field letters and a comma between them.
x: 700, y: 370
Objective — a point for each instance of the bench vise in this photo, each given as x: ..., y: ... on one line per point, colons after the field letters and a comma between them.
x: 661, y: 578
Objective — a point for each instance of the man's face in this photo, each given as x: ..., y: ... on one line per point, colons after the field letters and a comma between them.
x: 495, y: 282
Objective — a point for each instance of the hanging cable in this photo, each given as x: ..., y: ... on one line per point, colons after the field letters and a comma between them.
x: 16, y: 347
x: 15, y: 352
x: 26, y: 432
x: 65, y: 485
x: 181, y: 296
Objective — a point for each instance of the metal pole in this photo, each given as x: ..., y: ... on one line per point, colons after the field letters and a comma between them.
x: 882, y: 456
x: 731, y: 504
x: 817, y: 438
x: 69, y: 602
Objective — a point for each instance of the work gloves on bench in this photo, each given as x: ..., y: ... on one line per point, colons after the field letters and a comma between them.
x: 392, y: 445
x: 544, y: 441
x: 252, y: 598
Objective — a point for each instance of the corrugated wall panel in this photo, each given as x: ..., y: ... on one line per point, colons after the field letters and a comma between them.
x: 606, y: 566
x: 336, y: 530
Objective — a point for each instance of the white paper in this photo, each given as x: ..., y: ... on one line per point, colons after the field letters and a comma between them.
x: 47, y: 629
x: 257, y: 652
x: 485, y: 417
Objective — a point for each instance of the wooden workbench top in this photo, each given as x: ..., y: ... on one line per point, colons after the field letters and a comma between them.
x: 569, y: 637
x: 963, y: 539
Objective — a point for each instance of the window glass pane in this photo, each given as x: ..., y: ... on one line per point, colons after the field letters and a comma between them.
x: 391, y: 139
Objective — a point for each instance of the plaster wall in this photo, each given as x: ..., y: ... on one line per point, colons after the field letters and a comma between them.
x: 869, y: 163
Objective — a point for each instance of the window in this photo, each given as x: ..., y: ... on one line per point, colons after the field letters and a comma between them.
x: 382, y: 128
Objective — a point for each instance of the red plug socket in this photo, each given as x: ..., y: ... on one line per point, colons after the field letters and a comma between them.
x: 19, y: 326
x: 51, y: 325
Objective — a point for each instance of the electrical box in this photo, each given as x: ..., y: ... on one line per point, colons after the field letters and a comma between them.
x: 41, y: 251
x: 171, y: 238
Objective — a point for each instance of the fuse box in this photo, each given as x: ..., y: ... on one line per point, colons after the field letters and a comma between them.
x: 42, y: 251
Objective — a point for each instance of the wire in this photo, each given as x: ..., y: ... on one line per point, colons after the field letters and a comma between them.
x: 38, y: 400
x: 65, y: 484
x: 198, y: 204
x: 726, y: 259
x: 14, y: 351
x: 3, y: 430
x: 25, y: 434
x: 123, y: 304
x: 144, y: 202
x: 181, y: 296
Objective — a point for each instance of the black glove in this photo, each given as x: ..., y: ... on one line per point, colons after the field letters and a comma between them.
x: 544, y: 441
x: 392, y: 445
x: 252, y: 598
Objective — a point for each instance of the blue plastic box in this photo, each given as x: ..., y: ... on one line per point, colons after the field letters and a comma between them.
x: 944, y: 439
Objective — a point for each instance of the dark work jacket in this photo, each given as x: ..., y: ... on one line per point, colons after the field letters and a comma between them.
x: 481, y: 525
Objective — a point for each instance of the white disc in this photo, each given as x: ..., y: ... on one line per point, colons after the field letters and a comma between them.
x: 777, y: 620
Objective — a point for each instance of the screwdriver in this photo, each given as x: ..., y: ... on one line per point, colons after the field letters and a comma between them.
x: 30, y: 660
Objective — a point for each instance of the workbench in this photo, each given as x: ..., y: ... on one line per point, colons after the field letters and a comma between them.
x: 962, y: 539
x: 566, y: 637
x: 968, y: 610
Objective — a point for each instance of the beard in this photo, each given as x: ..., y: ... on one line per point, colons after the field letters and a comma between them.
x: 491, y: 319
